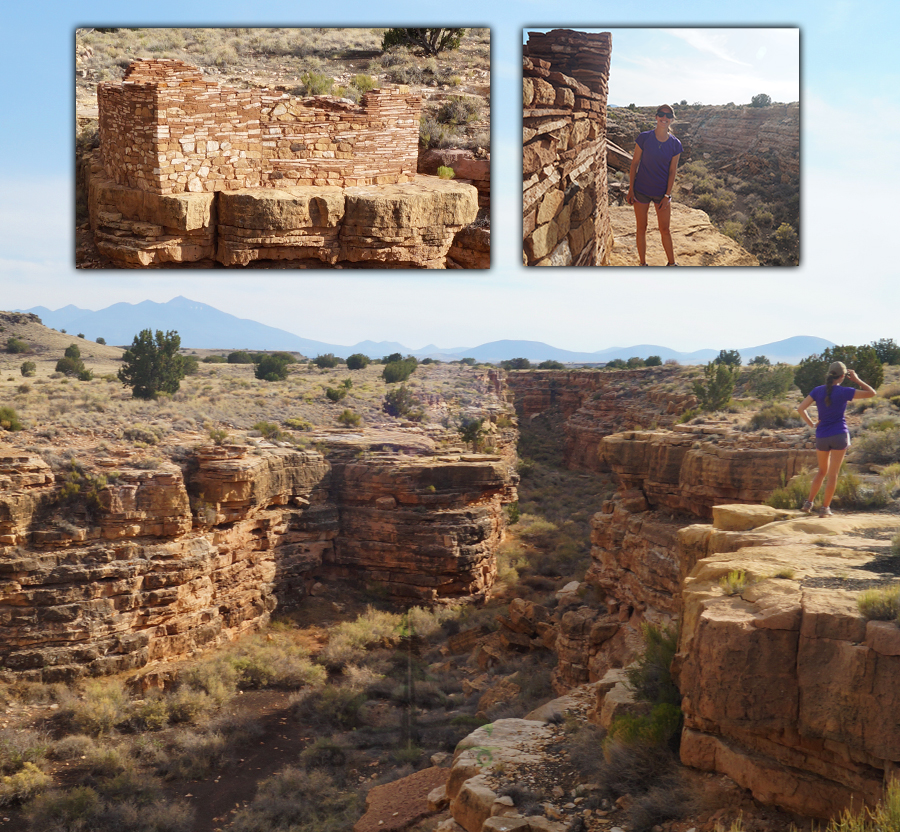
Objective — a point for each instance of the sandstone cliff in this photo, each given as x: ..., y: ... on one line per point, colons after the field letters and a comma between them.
x: 103, y: 572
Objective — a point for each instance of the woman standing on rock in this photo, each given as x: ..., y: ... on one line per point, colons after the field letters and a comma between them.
x: 652, y: 178
x: 832, y: 435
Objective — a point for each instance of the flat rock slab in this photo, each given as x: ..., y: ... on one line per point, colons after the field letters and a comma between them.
x: 402, y: 803
x: 696, y: 240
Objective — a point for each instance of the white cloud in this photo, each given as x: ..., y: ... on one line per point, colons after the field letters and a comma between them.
x: 712, y: 41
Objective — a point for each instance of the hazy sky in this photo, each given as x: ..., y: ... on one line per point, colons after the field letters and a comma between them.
x: 846, y: 289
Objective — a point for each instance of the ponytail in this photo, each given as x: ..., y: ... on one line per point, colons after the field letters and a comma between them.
x: 836, y: 371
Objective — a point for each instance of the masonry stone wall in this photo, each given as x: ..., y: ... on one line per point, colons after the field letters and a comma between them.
x: 565, y: 205
x: 166, y: 130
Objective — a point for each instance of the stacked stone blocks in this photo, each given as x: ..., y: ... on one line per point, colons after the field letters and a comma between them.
x: 565, y: 216
x: 166, y: 130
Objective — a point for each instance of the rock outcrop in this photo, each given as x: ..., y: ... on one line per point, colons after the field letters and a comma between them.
x: 564, y: 156
x: 594, y: 404
x: 787, y: 688
x: 697, y: 242
x: 111, y: 568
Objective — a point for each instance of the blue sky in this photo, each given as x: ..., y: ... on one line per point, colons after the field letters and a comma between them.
x: 847, y: 288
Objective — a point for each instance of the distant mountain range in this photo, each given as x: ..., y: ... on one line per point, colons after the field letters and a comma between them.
x: 204, y: 327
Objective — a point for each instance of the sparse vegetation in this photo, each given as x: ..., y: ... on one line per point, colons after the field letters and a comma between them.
x: 152, y: 365
x: 735, y: 582
x: 880, y: 604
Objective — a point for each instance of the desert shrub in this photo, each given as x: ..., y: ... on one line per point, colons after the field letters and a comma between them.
x: 327, y: 755
x: 791, y: 494
x: 70, y: 364
x: 101, y: 340
x: 775, y: 416
x: 332, y: 706
x: 17, y: 345
x: 28, y: 369
x: 767, y: 382
x: 715, y: 391
x: 190, y: 365
x: 335, y: 394
x: 326, y: 362
x: 214, y: 359
x: 9, y: 419
x: 880, y: 604
x: 102, y: 707
x: 21, y: 746
x: 141, y: 433
x: 357, y: 361
x: 733, y: 229
x: 403, y: 403
x: 348, y: 641
x: 730, y: 357
x: 350, y: 419
x: 27, y: 782
x: 537, y: 531
x: 895, y: 544
x: 878, y: 446
x: 445, y: 172
x: 633, y: 765
x: 295, y: 799
x: 785, y: 236
x: 650, y: 675
x: 273, y: 367
x: 471, y: 430
x: 298, y: 423
x: 315, y: 83
x: 852, y: 492
x: 239, y: 357
x: 458, y: 110
x: 192, y: 755
x: 279, y: 662
x: 396, y: 371
x: 364, y: 83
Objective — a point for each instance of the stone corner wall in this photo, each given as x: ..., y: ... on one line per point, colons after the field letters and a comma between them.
x: 565, y: 204
x: 166, y: 130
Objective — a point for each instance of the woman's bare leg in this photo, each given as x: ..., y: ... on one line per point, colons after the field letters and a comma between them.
x: 819, y: 478
x: 640, y: 236
x: 835, y: 458
x: 664, y: 217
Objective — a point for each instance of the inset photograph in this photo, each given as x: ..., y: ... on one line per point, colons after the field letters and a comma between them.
x: 661, y: 147
x: 283, y: 148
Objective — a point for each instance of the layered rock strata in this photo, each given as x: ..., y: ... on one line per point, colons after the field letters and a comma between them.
x: 412, y: 225
x: 134, y: 567
x: 564, y: 87
x: 596, y: 404
x: 787, y: 688
x: 422, y: 528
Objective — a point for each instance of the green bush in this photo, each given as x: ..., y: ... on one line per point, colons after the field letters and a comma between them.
x: 791, y: 494
x: 16, y: 345
x: 402, y: 403
x: 273, y: 367
x: 717, y: 388
x: 768, y: 382
x: 551, y: 365
x: 887, y: 350
x: 350, y: 419
x: 785, y: 236
x: 334, y: 707
x: 516, y: 364
x: 9, y: 419
x: 357, y: 361
x: 444, y: 172
x: 214, y: 359
x: 23, y: 785
x: 430, y: 41
x: 650, y: 675
x: 877, y: 446
x: 734, y: 583
x: 364, y: 83
x: 315, y: 83
x: 326, y: 362
x: 101, y: 340
x: 28, y: 369
x: 653, y: 361
x: 335, y: 394
x: 458, y: 110
x: 396, y: 371
x: 240, y: 357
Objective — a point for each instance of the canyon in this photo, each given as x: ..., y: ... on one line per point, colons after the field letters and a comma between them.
x: 787, y: 689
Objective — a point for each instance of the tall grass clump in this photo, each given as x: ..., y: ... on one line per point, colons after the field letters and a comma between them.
x: 735, y: 582
x: 880, y: 604
x: 885, y: 817
x: 791, y: 494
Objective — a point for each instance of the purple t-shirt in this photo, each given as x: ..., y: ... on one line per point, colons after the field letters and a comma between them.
x: 831, y: 417
x: 652, y: 177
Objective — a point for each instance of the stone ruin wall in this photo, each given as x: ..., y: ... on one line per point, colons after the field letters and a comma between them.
x: 565, y: 204
x: 166, y: 130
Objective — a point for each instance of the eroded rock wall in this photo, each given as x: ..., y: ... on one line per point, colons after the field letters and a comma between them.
x: 564, y: 87
x: 787, y: 688
x: 135, y: 567
x: 594, y: 404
